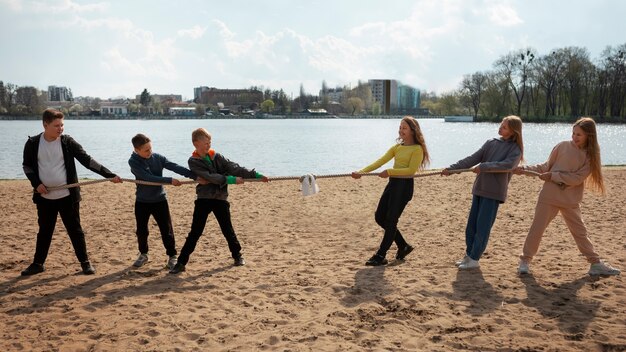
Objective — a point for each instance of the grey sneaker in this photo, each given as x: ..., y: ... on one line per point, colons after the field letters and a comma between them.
x: 469, y: 264
x: 523, y: 268
x: 602, y: 268
x: 141, y: 260
x: 171, y: 262
x: 462, y: 261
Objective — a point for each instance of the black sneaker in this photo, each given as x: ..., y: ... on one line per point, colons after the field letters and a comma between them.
x: 178, y: 268
x: 87, y: 268
x: 33, y: 269
x: 403, y: 252
x: 376, y: 260
x: 240, y: 261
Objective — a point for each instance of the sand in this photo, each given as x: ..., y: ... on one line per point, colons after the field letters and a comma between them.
x: 305, y: 287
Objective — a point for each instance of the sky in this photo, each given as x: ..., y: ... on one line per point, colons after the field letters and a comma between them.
x: 118, y: 48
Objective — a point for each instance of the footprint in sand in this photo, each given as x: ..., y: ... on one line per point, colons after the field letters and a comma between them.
x: 274, y: 340
x: 152, y: 333
x: 191, y: 336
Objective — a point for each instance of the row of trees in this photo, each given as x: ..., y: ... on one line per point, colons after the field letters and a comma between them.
x: 16, y: 100
x: 564, y: 83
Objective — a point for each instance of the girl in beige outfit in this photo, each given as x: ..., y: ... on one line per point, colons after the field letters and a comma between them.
x: 571, y: 165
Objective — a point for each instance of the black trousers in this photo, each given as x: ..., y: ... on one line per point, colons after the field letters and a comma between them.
x: 201, y: 211
x: 161, y: 213
x: 396, y: 196
x: 47, y: 211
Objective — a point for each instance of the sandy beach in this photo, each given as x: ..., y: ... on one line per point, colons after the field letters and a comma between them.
x: 305, y: 286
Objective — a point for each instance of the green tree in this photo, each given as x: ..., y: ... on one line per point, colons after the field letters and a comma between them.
x: 145, y: 98
x: 267, y: 106
x: 376, y: 108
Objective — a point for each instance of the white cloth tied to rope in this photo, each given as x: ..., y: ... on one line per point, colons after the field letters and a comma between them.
x: 309, y: 185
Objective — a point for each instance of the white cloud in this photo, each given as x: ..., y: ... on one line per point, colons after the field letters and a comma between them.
x: 15, y: 5
x: 194, y: 33
x: 503, y: 15
x: 66, y: 6
x: 225, y: 33
x: 117, y: 63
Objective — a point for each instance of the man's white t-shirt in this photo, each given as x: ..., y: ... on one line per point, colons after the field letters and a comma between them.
x: 51, y: 165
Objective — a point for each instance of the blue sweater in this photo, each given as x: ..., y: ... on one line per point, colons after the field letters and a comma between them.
x: 151, y: 170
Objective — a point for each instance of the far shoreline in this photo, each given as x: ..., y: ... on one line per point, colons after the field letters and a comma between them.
x: 538, y: 120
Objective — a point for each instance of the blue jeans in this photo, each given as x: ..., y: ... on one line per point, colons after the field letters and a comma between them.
x: 481, y: 218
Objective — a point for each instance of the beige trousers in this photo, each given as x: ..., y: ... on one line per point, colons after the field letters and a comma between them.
x: 544, y: 214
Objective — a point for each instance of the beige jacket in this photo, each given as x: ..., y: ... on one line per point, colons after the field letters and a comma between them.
x: 569, y: 166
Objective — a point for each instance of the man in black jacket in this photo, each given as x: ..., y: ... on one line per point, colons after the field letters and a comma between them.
x: 49, y: 162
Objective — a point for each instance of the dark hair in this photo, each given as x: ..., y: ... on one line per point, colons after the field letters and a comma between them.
x: 139, y: 140
x: 50, y: 115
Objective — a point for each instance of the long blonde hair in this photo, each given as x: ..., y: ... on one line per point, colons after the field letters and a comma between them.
x: 418, y: 136
x: 596, y: 181
x: 515, y: 125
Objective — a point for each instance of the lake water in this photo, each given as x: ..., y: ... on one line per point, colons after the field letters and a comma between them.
x: 290, y: 147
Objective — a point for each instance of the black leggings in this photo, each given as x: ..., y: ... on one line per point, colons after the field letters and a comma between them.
x: 397, y: 194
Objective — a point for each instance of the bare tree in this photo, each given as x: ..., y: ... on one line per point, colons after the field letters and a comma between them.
x: 515, y: 67
x: 472, y: 87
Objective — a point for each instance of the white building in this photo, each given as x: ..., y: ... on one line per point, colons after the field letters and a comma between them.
x: 182, y: 111
x: 115, y: 109
x: 333, y: 94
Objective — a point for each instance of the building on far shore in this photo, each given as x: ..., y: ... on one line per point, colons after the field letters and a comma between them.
x: 59, y: 93
x: 333, y: 94
x: 385, y: 92
x: 197, y: 93
x: 182, y: 111
x: 115, y: 108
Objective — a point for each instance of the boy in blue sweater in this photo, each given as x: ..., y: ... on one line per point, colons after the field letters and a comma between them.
x: 151, y: 200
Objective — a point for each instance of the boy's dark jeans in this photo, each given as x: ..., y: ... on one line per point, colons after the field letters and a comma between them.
x: 396, y: 195
x: 201, y: 211
x: 47, y: 211
x: 161, y: 213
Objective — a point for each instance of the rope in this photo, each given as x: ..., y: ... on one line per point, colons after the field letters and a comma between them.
x: 91, y: 182
x: 284, y: 178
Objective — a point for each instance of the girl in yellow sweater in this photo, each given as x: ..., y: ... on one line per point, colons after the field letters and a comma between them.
x: 409, y: 154
x: 571, y: 165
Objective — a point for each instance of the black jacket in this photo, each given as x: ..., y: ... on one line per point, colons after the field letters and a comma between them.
x: 71, y: 150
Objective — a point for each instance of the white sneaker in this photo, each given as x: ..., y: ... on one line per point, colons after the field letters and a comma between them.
x: 141, y: 260
x: 462, y: 261
x: 524, y: 268
x: 602, y: 268
x: 469, y: 264
x: 171, y: 262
